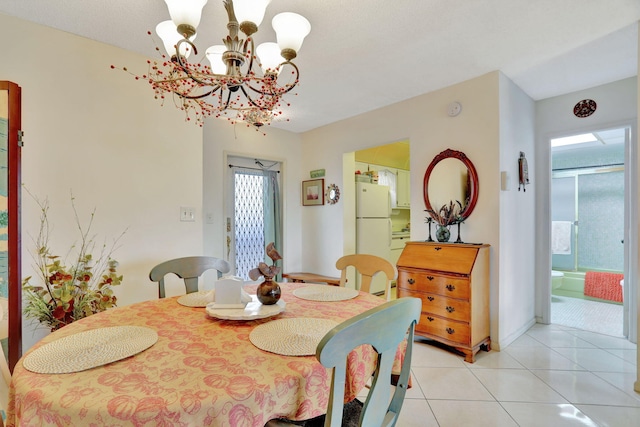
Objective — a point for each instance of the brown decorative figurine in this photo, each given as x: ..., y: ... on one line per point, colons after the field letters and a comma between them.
x: 268, y: 292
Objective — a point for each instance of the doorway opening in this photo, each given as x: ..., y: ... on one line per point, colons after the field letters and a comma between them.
x: 386, y: 166
x: 254, y: 216
x: 588, y: 211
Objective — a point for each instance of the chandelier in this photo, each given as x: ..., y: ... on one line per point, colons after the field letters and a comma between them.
x: 240, y: 83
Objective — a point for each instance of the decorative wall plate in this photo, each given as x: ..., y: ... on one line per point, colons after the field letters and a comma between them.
x: 333, y: 194
x: 585, y: 108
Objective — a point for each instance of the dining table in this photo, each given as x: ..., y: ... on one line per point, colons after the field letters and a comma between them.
x: 200, y: 370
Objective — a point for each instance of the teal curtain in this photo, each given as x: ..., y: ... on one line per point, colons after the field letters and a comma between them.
x: 272, y: 214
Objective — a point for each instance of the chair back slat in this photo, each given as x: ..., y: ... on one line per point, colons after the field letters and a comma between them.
x: 367, y: 266
x: 384, y: 328
x: 189, y: 269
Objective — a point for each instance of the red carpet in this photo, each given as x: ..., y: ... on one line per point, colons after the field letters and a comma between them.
x: 603, y: 285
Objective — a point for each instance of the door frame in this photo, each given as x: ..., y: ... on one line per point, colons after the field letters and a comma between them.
x: 229, y: 200
x: 14, y: 190
x: 630, y: 308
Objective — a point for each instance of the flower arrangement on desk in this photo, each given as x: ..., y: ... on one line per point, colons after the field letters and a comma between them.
x: 447, y: 215
x: 69, y: 292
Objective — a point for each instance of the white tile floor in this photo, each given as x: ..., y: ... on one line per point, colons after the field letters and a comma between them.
x: 551, y: 376
x: 588, y: 315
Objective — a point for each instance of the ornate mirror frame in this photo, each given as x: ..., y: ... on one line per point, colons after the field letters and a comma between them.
x: 10, y: 266
x: 473, y: 180
x: 332, y: 194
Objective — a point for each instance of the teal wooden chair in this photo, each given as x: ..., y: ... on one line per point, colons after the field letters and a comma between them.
x: 384, y: 327
x: 189, y: 269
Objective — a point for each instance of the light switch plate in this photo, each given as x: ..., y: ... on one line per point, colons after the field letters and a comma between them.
x: 187, y: 214
x: 504, y: 181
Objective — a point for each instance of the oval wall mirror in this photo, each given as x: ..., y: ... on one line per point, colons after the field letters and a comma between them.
x: 451, y: 176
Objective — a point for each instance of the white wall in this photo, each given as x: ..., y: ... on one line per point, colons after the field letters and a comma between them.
x: 222, y: 139
x: 517, y: 214
x: 100, y: 133
x: 328, y: 233
x: 617, y: 107
x: 636, y: 155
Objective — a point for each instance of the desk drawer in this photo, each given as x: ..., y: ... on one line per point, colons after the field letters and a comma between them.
x: 434, y: 283
x: 450, y: 308
x: 448, y: 330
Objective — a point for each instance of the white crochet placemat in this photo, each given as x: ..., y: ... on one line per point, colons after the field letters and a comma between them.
x: 291, y: 337
x: 88, y: 349
x: 197, y: 299
x: 325, y: 293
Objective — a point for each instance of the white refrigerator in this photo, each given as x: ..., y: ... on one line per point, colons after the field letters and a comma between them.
x: 373, y: 226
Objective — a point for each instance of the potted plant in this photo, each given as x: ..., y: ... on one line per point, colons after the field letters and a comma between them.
x: 69, y: 291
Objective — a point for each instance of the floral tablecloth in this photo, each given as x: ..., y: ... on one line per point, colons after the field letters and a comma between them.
x: 201, y: 372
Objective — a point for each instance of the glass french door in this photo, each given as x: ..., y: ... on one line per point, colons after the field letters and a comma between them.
x: 253, y: 213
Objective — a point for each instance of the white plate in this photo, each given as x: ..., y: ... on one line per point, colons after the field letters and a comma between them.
x: 253, y: 310
x: 325, y: 293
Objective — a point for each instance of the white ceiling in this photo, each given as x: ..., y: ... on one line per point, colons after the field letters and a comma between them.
x: 366, y: 54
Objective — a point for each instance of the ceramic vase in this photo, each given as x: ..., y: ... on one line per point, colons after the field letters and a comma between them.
x: 443, y: 233
x: 268, y: 292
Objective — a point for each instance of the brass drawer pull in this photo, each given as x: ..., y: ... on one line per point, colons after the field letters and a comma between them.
x: 450, y: 309
x: 450, y: 331
x: 411, y: 281
x: 430, y: 277
x: 430, y: 298
x: 451, y: 288
x: 430, y: 319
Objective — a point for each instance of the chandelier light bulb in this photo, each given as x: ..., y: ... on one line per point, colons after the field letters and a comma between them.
x: 186, y: 14
x: 214, y: 55
x: 269, y: 54
x: 291, y: 29
x: 167, y: 31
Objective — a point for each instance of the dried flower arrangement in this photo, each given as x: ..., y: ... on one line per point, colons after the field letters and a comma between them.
x: 447, y: 214
x: 69, y: 292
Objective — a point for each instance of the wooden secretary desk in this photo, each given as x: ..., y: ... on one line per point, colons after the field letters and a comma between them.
x: 452, y: 280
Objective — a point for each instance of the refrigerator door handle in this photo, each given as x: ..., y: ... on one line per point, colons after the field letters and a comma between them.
x: 389, y: 227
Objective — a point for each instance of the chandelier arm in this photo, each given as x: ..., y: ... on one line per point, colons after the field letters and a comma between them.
x: 183, y: 67
x: 251, y: 101
x: 251, y: 55
x: 227, y: 102
x: 288, y: 87
x: 214, y: 89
